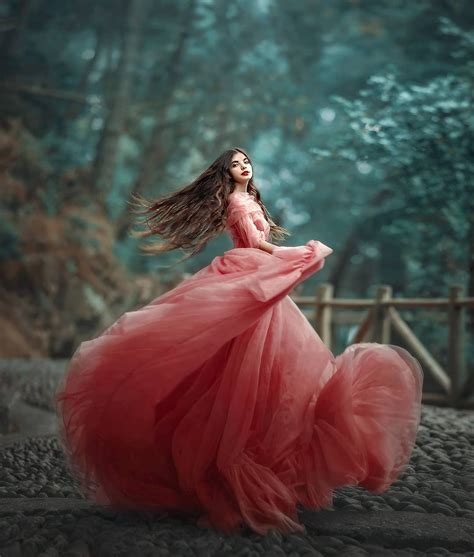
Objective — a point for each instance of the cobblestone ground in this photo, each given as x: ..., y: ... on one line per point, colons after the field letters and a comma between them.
x: 429, y: 510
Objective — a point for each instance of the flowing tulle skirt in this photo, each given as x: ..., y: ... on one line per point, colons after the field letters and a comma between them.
x: 219, y: 400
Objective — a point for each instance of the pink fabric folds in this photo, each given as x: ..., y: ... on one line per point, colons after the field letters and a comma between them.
x: 219, y: 400
x: 245, y: 221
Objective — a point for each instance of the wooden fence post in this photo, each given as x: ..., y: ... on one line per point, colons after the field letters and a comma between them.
x: 323, y: 313
x: 382, y: 315
x: 381, y: 321
x: 456, y: 357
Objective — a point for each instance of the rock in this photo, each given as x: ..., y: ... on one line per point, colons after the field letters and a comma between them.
x: 13, y: 550
x: 78, y: 548
x: 442, y: 508
x: 414, y: 508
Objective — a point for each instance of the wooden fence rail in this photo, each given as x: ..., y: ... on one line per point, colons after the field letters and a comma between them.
x: 382, y: 316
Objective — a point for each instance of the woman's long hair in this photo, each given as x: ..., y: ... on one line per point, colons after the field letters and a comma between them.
x: 190, y: 217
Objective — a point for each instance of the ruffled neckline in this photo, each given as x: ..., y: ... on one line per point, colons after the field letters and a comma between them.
x: 246, y: 196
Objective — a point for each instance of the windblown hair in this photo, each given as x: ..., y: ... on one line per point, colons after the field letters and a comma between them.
x: 190, y: 217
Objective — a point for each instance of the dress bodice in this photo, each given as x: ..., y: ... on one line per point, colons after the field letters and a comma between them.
x: 246, y: 223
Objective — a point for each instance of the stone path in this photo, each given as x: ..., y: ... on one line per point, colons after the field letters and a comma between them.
x: 429, y: 510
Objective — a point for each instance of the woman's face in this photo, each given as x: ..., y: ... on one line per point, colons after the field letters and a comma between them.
x: 240, y: 168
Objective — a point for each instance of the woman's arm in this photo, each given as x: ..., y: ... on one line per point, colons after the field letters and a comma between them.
x: 266, y: 246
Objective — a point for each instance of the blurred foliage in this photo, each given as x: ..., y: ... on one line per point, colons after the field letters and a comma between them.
x: 405, y: 130
x: 357, y: 113
x: 8, y: 239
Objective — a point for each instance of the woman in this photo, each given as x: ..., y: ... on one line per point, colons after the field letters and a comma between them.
x: 218, y: 399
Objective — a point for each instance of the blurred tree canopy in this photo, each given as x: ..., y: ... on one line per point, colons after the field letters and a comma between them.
x: 421, y: 138
x: 357, y: 113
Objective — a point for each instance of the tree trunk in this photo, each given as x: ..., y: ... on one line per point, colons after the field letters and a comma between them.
x: 81, y: 88
x: 13, y: 38
x: 470, y: 248
x: 156, y: 151
x: 356, y: 234
x: 106, y: 156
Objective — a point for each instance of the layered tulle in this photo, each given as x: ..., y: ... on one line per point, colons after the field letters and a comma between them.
x: 219, y: 400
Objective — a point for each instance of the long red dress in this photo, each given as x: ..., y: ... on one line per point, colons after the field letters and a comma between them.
x: 218, y: 399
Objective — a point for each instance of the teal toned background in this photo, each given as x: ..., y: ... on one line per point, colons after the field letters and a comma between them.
x: 358, y: 116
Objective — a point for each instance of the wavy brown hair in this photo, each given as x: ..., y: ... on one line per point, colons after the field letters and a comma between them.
x: 188, y: 218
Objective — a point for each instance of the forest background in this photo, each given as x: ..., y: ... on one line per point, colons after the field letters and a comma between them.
x: 358, y: 115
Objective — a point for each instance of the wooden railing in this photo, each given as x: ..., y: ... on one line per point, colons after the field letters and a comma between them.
x: 381, y: 315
